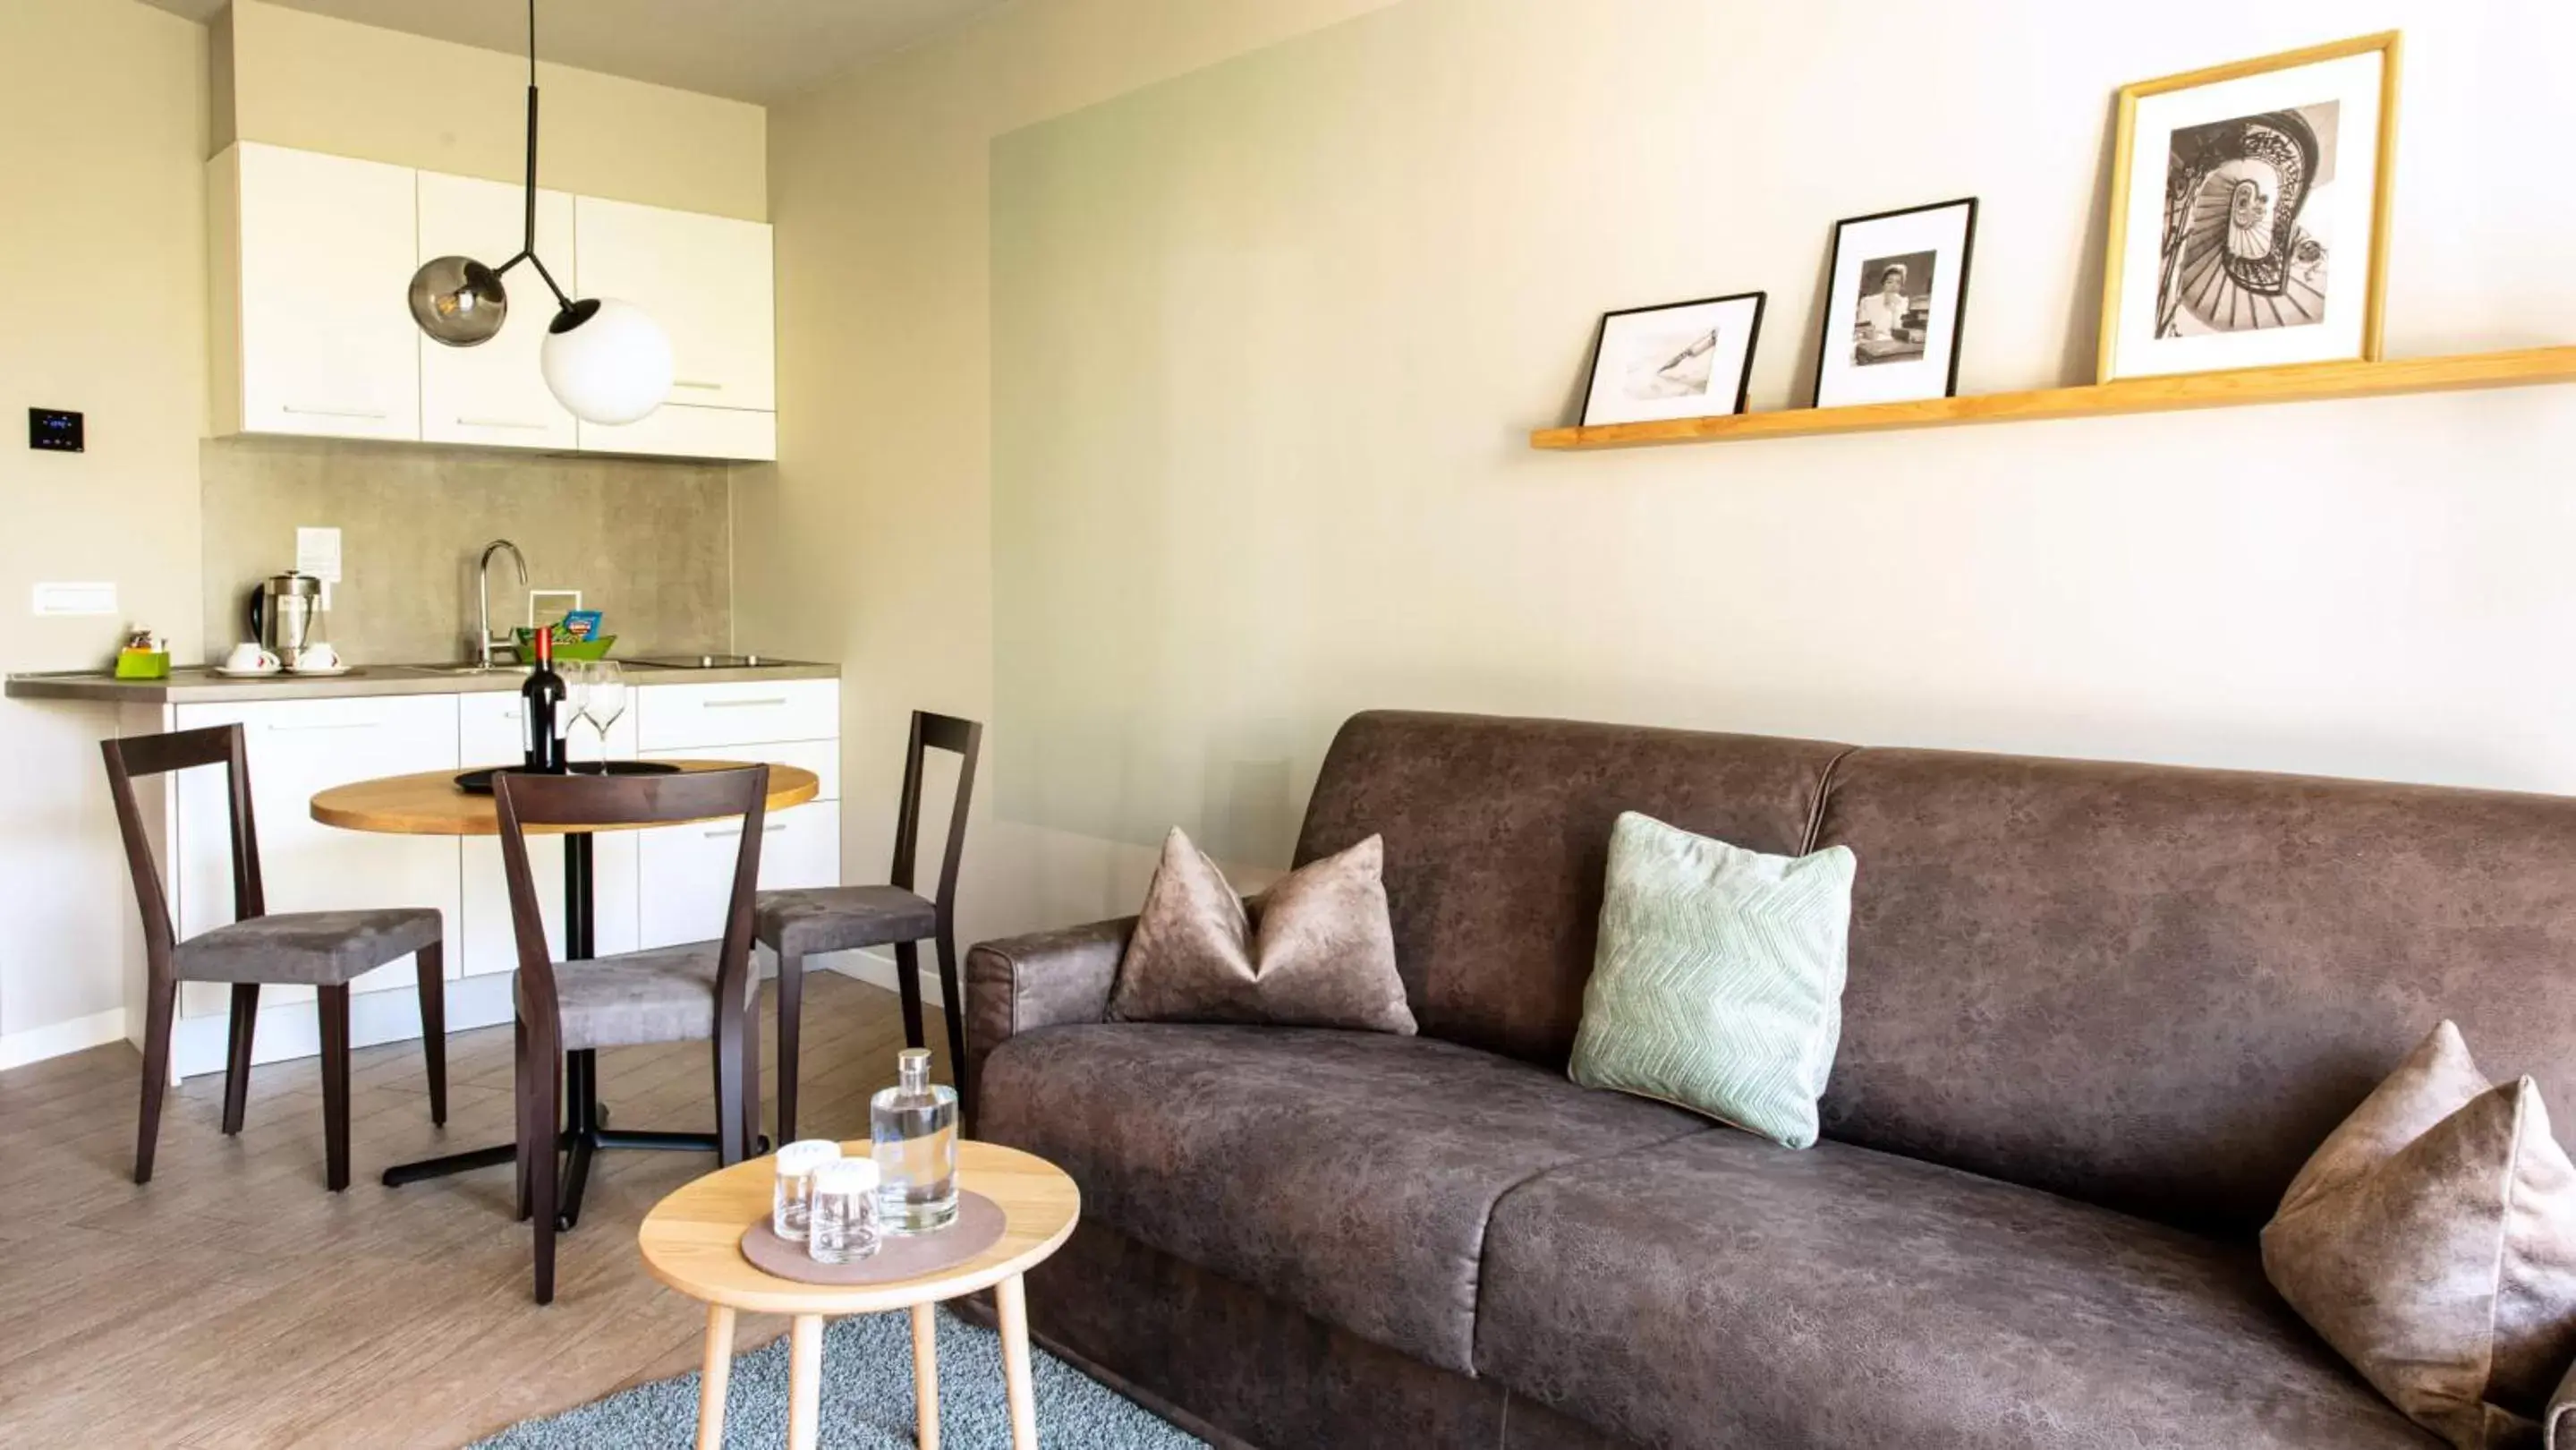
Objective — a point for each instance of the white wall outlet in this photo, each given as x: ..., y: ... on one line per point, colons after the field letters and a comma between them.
x: 317, y: 552
x: 70, y: 599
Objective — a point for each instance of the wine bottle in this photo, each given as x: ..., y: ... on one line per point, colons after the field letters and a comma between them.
x: 539, y: 701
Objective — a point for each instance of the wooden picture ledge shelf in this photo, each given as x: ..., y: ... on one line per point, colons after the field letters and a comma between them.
x: 2305, y: 382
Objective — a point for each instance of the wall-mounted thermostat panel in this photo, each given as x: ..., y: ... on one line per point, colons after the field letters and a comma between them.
x: 54, y: 430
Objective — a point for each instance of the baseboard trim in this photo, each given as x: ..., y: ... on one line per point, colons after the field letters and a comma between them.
x: 878, y: 971
x: 18, y: 1049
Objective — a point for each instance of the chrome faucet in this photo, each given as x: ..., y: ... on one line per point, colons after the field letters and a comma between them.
x: 483, y: 638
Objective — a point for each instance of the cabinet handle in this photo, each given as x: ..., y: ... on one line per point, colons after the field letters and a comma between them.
x: 281, y: 727
x: 500, y: 423
x: 724, y: 832
x: 376, y: 414
x: 705, y: 387
x: 742, y: 704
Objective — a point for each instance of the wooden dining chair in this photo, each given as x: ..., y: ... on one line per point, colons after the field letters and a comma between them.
x: 796, y: 924
x: 324, y: 950
x: 567, y: 1011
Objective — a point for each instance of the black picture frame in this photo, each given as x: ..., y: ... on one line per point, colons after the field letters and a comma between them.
x: 1831, y: 311
x: 1743, y: 376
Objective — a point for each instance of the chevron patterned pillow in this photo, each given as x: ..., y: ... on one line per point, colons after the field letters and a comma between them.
x: 1718, y: 982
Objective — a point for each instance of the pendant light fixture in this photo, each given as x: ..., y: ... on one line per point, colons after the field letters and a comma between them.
x: 606, y: 361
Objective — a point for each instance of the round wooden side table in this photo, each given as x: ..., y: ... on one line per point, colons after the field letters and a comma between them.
x: 692, y: 1241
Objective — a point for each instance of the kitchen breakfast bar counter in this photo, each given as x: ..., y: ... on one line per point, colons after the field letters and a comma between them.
x: 200, y: 685
x: 308, y: 734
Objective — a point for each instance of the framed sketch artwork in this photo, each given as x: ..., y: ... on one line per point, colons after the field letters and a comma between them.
x: 1680, y: 360
x: 2249, y: 213
x: 1893, y: 304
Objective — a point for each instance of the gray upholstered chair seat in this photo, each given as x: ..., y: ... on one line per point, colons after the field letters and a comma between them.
x: 667, y: 994
x: 839, y: 918
x: 310, y: 948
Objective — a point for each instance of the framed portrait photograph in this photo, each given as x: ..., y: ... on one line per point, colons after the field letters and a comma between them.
x: 1679, y: 360
x: 1893, y: 305
x: 2249, y: 213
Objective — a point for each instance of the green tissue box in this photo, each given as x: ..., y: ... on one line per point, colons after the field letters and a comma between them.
x: 143, y: 664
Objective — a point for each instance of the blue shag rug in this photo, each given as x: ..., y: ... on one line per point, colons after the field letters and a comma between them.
x: 867, y: 1400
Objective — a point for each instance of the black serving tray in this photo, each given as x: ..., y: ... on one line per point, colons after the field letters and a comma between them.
x: 479, y: 782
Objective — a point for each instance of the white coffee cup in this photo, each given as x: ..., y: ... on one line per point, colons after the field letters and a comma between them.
x: 250, y: 659
x: 318, y: 656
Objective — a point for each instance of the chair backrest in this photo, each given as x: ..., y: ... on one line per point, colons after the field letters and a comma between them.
x: 147, y: 755
x: 559, y: 804
x: 966, y: 739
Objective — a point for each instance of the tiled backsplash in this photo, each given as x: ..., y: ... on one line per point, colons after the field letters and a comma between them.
x: 648, y: 543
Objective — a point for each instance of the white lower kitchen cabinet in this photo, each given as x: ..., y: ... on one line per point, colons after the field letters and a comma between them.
x: 488, y: 734
x: 295, y: 748
x: 651, y: 888
x: 687, y: 871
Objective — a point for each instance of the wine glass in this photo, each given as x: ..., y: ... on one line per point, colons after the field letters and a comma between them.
x: 603, y: 699
x: 576, y: 690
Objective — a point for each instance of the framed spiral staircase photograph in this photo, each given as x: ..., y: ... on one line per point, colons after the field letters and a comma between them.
x: 2249, y: 213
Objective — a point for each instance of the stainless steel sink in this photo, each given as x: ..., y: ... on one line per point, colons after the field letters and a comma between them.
x: 467, y: 669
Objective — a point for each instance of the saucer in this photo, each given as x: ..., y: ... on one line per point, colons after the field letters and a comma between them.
x: 311, y: 673
x: 230, y: 673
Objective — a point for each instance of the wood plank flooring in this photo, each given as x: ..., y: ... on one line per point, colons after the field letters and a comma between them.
x: 234, y: 1301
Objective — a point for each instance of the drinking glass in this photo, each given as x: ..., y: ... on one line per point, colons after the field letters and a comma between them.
x: 576, y: 684
x: 603, y: 699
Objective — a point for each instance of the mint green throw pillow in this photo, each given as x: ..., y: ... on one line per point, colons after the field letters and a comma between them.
x: 1718, y: 983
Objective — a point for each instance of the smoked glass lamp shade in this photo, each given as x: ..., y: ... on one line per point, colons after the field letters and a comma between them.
x: 458, y: 301
x: 607, y: 361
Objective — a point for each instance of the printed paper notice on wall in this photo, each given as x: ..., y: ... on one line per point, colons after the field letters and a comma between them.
x: 317, y: 552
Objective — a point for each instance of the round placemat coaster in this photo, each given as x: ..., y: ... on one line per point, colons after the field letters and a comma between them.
x: 900, y: 1256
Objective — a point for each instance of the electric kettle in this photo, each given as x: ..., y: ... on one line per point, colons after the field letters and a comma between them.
x: 285, y: 615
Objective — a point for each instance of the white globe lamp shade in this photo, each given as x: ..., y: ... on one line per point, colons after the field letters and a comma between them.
x: 607, y: 362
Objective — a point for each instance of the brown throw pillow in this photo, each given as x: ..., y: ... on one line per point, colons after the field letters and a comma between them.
x: 1316, y: 951
x: 2432, y: 1242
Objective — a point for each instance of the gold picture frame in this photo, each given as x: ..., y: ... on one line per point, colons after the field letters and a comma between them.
x: 2190, y: 211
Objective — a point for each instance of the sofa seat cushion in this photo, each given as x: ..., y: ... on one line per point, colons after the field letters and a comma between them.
x: 1347, y: 1173
x: 1722, y: 1291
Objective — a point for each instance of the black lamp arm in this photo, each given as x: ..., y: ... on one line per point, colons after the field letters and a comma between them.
x: 528, y: 248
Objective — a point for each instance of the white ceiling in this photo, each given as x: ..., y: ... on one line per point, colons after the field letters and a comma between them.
x: 752, y: 50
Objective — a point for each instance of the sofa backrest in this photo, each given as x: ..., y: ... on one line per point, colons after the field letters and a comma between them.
x: 1498, y: 830
x: 2149, y: 987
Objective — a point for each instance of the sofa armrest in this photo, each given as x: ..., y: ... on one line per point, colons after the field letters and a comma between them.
x: 1047, y: 979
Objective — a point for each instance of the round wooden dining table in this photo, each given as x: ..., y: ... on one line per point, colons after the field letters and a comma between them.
x: 431, y: 803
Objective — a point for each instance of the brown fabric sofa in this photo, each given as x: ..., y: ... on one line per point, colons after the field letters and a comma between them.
x: 2098, y: 1014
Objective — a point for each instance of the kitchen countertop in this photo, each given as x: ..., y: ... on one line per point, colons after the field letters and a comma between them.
x: 196, y: 685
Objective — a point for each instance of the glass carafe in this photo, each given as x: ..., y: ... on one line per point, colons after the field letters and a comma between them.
x: 913, y: 1126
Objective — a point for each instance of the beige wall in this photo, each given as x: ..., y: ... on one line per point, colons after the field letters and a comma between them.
x: 322, y: 84
x: 102, y: 231
x: 1393, y: 235
x: 869, y: 542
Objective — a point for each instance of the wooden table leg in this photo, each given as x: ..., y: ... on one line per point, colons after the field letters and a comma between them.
x: 713, y: 1376
x: 1011, y: 1297
x: 804, y: 1380
x: 925, y: 1374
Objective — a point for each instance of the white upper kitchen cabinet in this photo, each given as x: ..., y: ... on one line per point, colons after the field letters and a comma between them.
x: 494, y: 393
x: 310, y: 254
x: 708, y: 281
